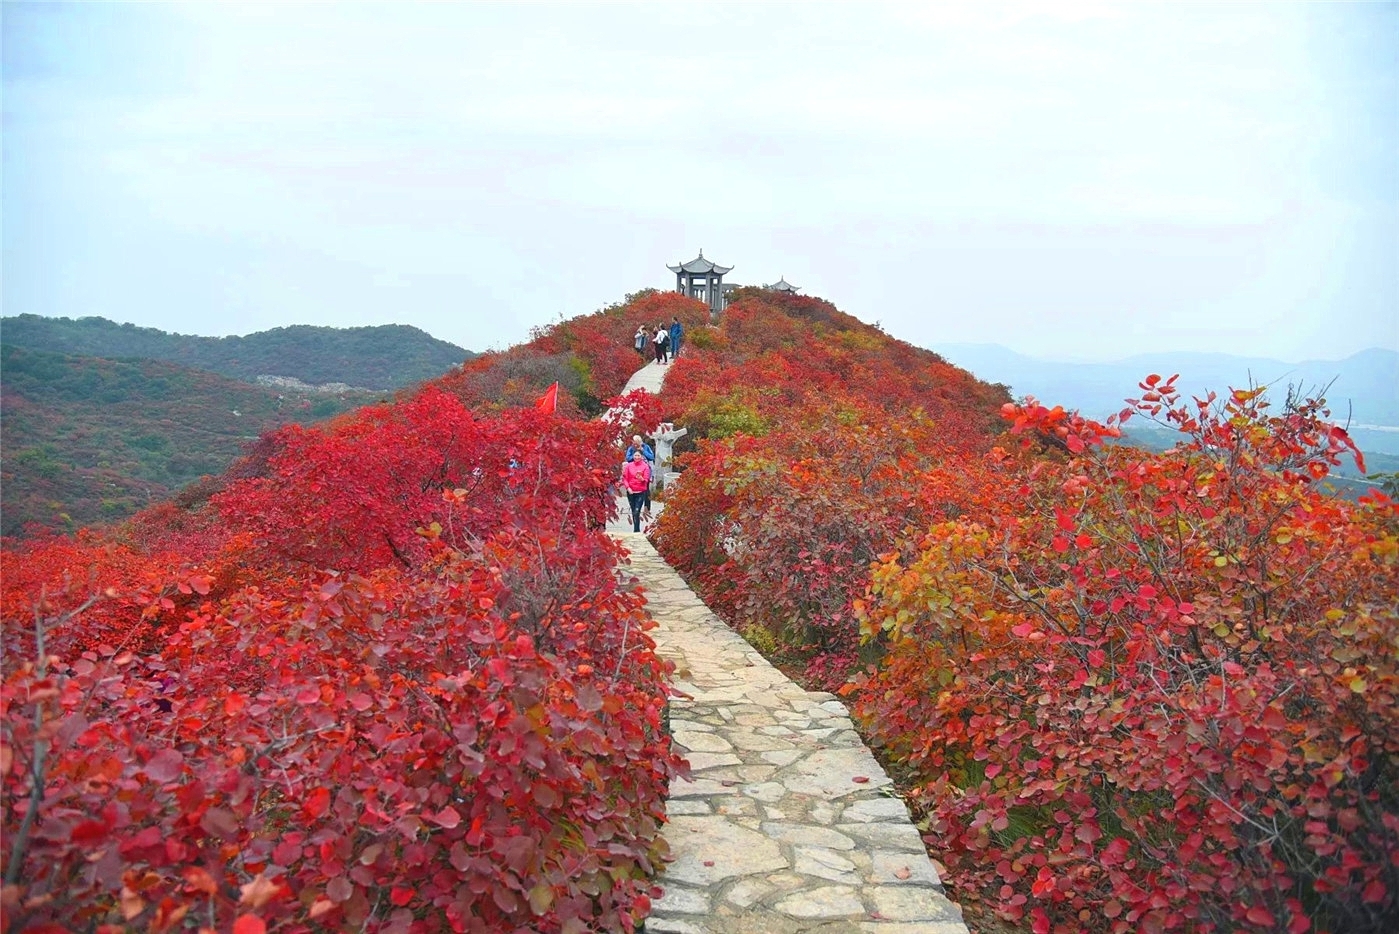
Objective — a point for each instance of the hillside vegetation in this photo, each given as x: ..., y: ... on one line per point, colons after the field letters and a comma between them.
x: 1125, y: 690
x: 388, y: 356
x: 381, y: 674
x: 89, y: 440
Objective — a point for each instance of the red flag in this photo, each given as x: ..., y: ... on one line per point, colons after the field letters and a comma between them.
x: 549, y: 401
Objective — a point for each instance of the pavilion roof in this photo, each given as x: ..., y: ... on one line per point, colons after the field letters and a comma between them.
x: 782, y: 285
x: 700, y: 264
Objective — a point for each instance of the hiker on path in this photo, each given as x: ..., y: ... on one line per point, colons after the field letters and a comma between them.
x: 677, y: 333
x: 661, y: 339
x: 636, y: 480
x: 639, y: 341
x: 638, y: 445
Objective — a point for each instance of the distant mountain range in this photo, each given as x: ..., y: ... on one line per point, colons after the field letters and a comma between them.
x: 99, y: 419
x: 389, y: 356
x: 85, y: 440
x: 1364, y: 387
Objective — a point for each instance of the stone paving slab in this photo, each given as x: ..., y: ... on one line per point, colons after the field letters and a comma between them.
x: 787, y: 824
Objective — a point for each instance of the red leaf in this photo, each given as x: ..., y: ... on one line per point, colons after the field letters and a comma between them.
x: 1257, y: 914
x: 317, y: 802
x: 89, y: 832
x: 249, y: 924
x: 447, y: 817
x: 165, y: 766
x: 861, y: 779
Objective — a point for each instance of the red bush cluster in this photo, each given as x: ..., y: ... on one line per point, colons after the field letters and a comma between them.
x: 1132, y: 691
x: 400, y: 690
x: 1156, y: 692
x: 822, y: 440
x: 591, y: 356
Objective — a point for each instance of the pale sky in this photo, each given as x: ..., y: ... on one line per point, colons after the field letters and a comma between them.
x: 1070, y: 180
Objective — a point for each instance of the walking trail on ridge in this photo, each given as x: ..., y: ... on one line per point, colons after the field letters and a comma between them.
x: 788, y: 824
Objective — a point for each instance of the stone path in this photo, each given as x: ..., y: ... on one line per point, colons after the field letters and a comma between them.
x: 788, y: 823
x: 650, y: 377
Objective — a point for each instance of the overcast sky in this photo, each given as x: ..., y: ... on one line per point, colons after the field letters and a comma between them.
x: 1069, y: 180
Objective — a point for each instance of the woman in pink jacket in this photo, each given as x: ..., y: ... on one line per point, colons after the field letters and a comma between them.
x: 636, y: 480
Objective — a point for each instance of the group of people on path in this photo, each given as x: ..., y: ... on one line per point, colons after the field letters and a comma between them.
x: 665, y: 343
x: 639, y: 463
x: 637, y: 466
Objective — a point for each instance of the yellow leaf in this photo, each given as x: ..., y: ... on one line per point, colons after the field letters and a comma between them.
x: 1221, y: 561
x: 541, y: 898
x: 1357, y: 685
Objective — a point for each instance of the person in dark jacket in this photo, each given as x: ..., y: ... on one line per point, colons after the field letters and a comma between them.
x: 677, y: 333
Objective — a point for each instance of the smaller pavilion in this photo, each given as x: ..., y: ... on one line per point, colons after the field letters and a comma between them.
x: 702, y: 279
x: 782, y: 285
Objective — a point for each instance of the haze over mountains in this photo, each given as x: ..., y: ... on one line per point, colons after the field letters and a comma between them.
x: 1364, y: 387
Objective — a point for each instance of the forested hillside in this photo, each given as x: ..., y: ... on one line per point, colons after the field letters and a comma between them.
x: 89, y: 440
x: 385, y: 669
x: 389, y: 356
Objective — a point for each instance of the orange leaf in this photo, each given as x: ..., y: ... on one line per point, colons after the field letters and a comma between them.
x: 258, y: 892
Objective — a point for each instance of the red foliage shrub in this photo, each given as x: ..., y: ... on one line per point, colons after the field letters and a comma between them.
x: 1155, y: 692
x: 828, y: 439
x: 401, y: 691
x: 776, y: 354
x: 384, y: 752
x: 357, y: 494
x: 113, y: 584
x: 591, y: 356
x: 1137, y: 692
